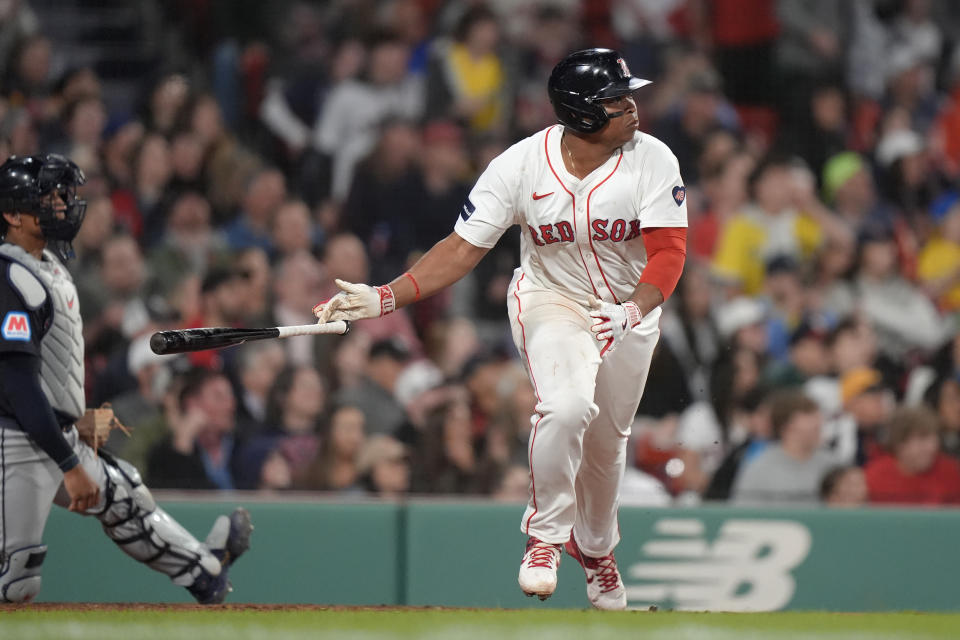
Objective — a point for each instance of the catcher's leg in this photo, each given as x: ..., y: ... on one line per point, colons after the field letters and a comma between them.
x: 147, y: 533
x: 28, y: 481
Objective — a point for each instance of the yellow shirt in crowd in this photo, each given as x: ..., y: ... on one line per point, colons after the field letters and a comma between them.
x: 938, y: 259
x: 481, y: 78
x: 750, y: 239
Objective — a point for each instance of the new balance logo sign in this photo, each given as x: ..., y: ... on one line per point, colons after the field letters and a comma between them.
x: 16, y: 326
x: 746, y: 568
x: 467, y: 209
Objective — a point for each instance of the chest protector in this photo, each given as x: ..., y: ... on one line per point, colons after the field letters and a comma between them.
x: 61, y: 349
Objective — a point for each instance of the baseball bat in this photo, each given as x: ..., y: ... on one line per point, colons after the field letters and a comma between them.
x: 201, y: 339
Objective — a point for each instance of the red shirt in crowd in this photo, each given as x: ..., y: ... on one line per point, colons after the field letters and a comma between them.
x: 737, y: 23
x: 888, y: 484
x: 948, y: 127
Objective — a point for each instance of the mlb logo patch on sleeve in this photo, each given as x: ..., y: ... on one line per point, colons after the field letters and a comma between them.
x: 16, y: 326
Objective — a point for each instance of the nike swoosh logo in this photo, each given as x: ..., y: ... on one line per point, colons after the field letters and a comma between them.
x: 537, y: 196
x: 70, y: 303
x: 590, y: 580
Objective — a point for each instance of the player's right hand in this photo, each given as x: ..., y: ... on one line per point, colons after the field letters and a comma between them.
x: 612, y: 321
x: 356, y: 302
x: 83, y: 491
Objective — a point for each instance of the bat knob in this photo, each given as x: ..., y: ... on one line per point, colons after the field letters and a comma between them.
x: 158, y: 344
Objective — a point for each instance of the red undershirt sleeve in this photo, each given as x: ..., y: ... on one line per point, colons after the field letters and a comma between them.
x: 666, y: 252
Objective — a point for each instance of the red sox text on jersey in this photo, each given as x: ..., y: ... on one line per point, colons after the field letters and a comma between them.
x: 583, y: 237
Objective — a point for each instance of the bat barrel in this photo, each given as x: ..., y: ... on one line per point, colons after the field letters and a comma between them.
x: 161, y: 344
x: 183, y: 340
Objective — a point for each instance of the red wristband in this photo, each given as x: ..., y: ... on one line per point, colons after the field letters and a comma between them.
x: 415, y: 285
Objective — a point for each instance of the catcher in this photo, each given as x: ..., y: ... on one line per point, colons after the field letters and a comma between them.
x: 48, y: 442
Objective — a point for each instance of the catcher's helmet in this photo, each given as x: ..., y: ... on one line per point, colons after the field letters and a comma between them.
x: 25, y: 181
x: 581, y: 80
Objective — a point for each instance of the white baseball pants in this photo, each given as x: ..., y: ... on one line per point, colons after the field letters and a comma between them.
x: 585, y: 407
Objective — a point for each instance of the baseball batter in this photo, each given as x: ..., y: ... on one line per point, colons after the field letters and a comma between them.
x: 43, y: 459
x: 604, y: 216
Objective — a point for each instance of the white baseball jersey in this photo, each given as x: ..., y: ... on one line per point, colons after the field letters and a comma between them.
x: 581, y: 237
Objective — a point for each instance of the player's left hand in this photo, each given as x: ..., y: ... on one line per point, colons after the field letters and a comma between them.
x: 612, y: 321
x: 356, y: 302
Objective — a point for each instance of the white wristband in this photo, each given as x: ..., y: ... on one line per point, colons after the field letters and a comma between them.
x: 633, y: 313
x: 388, y: 303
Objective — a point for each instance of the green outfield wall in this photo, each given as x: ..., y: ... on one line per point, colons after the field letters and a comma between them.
x: 467, y: 554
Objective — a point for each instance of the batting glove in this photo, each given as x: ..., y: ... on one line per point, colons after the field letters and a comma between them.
x: 613, y: 321
x: 356, y: 302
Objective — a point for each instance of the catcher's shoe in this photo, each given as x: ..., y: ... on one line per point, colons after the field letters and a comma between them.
x: 604, y: 584
x: 538, y: 570
x: 228, y: 540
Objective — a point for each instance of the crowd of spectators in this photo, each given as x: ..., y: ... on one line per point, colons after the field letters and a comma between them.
x: 809, y: 354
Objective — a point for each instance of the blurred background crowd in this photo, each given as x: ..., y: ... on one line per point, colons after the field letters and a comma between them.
x: 242, y: 154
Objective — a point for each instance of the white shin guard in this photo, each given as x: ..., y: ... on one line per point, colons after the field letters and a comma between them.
x: 20, y: 575
x: 147, y: 533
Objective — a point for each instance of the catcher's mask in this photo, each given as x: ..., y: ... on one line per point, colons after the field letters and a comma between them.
x: 29, y: 184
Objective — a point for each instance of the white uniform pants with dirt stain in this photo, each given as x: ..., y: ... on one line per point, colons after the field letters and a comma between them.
x: 585, y: 407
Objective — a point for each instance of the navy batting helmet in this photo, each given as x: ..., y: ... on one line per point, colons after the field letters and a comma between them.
x: 582, y: 80
x: 25, y: 184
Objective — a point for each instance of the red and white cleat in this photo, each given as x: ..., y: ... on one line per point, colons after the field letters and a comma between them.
x: 538, y: 570
x: 604, y: 584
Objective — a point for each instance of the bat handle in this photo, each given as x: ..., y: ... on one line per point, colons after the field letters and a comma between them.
x: 337, y: 327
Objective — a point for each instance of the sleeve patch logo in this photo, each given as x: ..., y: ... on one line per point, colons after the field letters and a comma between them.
x: 467, y: 210
x: 679, y: 194
x: 16, y: 326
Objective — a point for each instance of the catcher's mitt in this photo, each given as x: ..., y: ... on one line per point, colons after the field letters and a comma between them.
x: 95, y: 425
